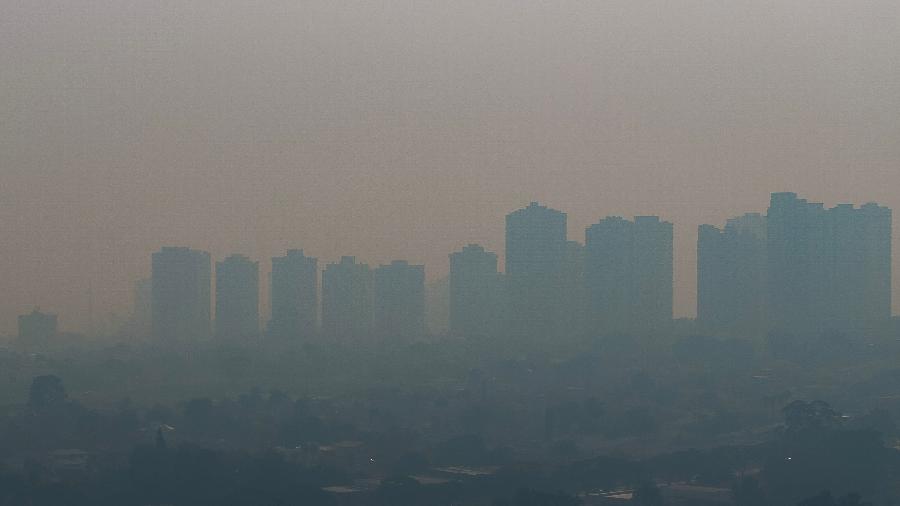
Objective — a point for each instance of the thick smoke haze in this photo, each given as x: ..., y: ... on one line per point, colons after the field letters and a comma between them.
x: 408, y: 129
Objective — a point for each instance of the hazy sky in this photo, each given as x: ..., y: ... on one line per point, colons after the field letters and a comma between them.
x: 388, y: 129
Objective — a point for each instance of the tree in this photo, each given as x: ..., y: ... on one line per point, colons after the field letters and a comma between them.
x: 748, y: 492
x: 399, y: 491
x: 647, y: 494
x: 852, y: 500
x: 823, y: 499
x: 46, y: 391
x: 826, y: 499
x: 160, y: 439
x: 199, y: 414
x: 804, y: 417
x: 839, y: 460
x: 528, y: 497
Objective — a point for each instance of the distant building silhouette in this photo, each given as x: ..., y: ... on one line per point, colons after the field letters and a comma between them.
x: 629, y: 274
x: 37, y: 327
x: 797, y: 263
x: 437, y: 307
x: 609, y: 251
x: 828, y: 269
x: 294, y: 296
x: 655, y: 271
x: 574, y: 299
x: 475, y: 292
x: 535, y: 256
x: 731, y: 276
x: 400, y: 300
x: 347, y: 299
x: 861, y: 278
x: 181, y: 300
x: 237, y: 298
x: 799, y: 268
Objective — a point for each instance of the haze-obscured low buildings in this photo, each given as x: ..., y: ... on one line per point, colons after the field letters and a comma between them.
x: 38, y: 327
x: 140, y: 324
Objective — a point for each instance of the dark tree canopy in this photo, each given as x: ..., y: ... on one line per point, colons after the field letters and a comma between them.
x: 46, y: 391
x: 814, y: 416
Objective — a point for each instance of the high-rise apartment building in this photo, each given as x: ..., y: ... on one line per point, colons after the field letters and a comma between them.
x: 654, y: 271
x: 828, y: 269
x: 574, y: 299
x: 181, y: 295
x: 400, y: 300
x: 294, y: 296
x: 860, y: 277
x: 347, y: 299
x: 629, y: 274
x: 475, y: 292
x: 731, y: 276
x: 37, y: 328
x: 237, y: 298
x: 535, y: 258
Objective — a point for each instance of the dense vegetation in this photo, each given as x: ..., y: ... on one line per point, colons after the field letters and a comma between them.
x: 454, y: 422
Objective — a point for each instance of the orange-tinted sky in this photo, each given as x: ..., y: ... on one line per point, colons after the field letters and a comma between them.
x: 408, y: 129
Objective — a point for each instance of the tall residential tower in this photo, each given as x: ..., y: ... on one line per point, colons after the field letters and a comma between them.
x: 731, y: 276
x: 535, y: 259
x: 475, y: 292
x: 400, y: 300
x: 828, y: 269
x: 237, y: 298
x: 294, y: 296
x: 181, y: 298
x: 347, y: 299
x: 629, y: 274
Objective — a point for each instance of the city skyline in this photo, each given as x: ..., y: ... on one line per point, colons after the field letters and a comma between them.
x: 72, y: 302
x: 407, y: 132
x: 632, y: 258
x: 503, y: 252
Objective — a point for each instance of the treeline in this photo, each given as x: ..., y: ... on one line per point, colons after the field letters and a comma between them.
x: 241, y: 451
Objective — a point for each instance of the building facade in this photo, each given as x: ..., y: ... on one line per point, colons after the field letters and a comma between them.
x: 828, y: 269
x: 475, y: 292
x: 237, y: 298
x: 294, y: 296
x: 731, y: 276
x: 399, y: 300
x: 181, y: 295
x: 629, y: 274
x: 347, y: 299
x: 535, y: 258
x: 38, y: 328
